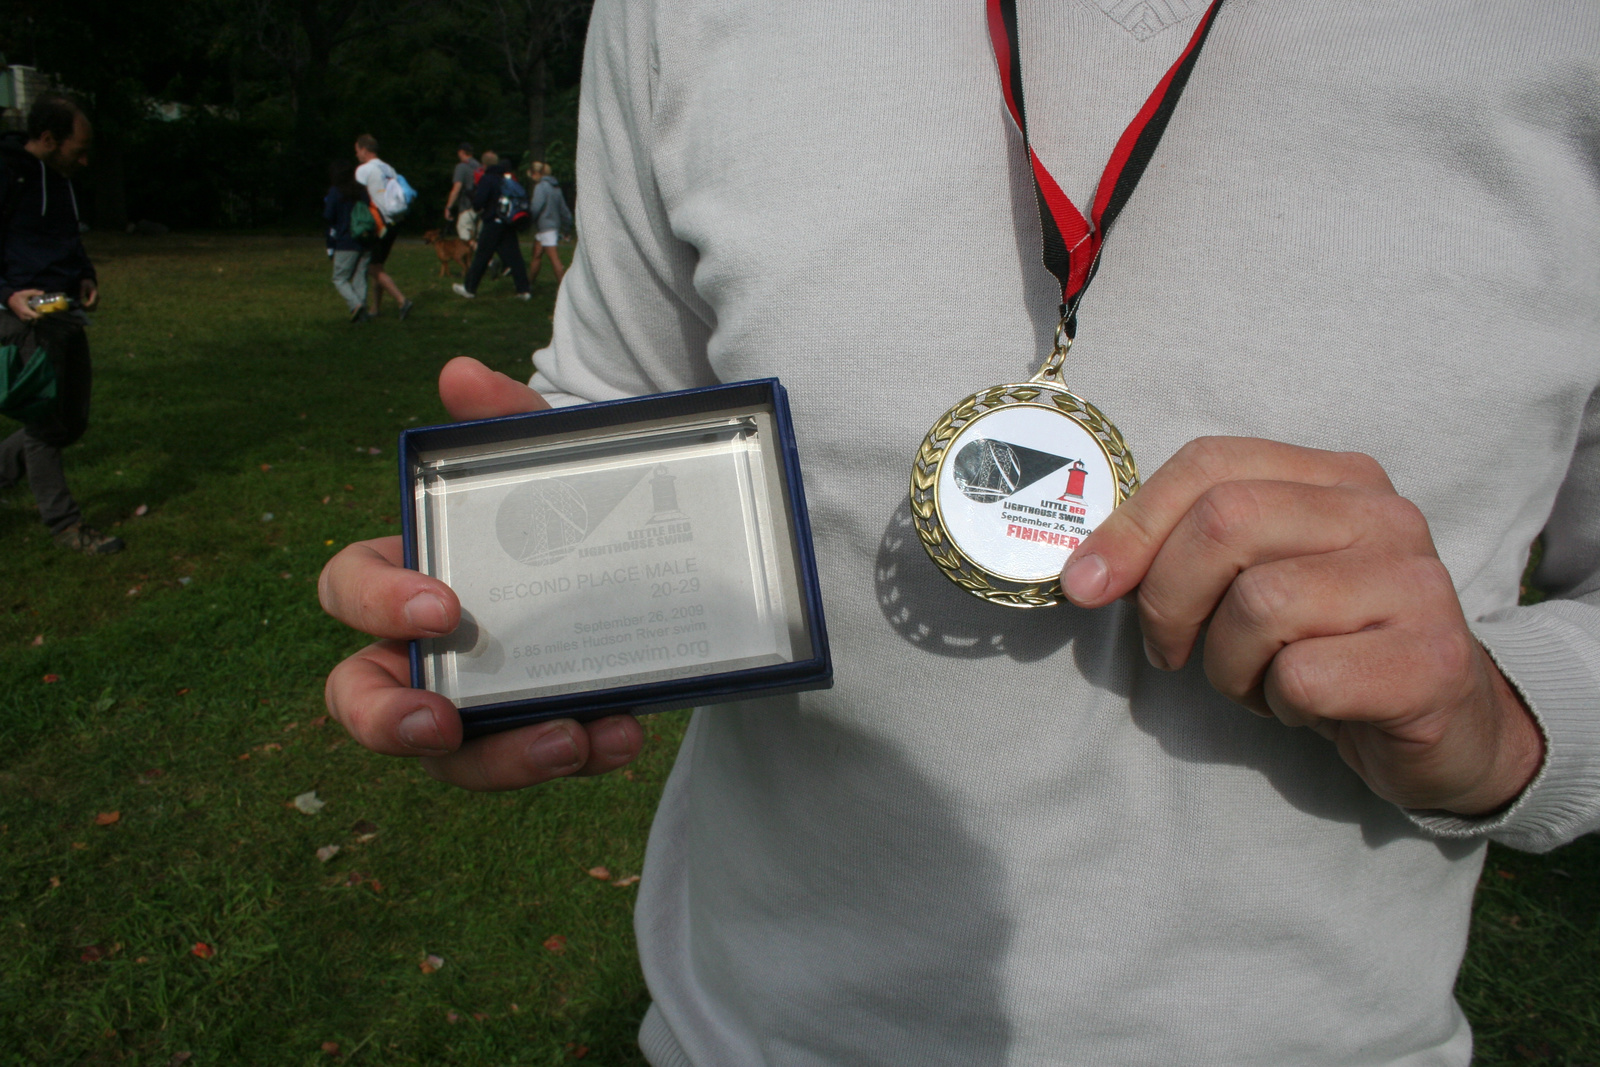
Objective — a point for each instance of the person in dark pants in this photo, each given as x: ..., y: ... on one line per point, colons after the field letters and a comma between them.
x: 42, y: 253
x: 497, y: 237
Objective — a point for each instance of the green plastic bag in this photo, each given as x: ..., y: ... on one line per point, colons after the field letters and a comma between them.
x: 27, y: 382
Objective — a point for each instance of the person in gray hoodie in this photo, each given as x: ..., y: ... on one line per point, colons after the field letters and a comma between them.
x: 551, y: 218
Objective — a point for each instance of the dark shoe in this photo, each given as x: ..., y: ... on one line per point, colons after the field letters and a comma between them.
x: 358, y: 315
x: 405, y: 309
x: 81, y: 538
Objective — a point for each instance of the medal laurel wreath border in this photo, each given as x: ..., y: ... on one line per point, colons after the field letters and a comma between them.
x: 925, y: 476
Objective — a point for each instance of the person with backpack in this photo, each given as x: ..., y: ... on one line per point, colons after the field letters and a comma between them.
x: 551, y: 218
x: 382, y: 184
x: 352, y: 231
x: 43, y: 347
x: 502, y: 204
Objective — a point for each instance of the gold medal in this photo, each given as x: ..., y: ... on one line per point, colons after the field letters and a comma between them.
x: 1009, y: 481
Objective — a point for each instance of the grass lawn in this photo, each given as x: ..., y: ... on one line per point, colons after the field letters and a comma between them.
x: 160, y: 892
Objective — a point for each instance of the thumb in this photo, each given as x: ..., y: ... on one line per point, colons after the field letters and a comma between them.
x: 472, y: 391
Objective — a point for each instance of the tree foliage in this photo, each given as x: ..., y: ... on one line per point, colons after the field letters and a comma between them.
x: 227, y: 113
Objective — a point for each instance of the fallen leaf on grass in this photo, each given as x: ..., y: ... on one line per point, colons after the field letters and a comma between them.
x: 242, y: 756
x: 202, y: 951
x: 266, y: 516
x: 266, y: 466
x: 134, y: 591
x: 326, y: 499
x: 55, y: 881
x: 149, y: 776
x: 179, y: 1059
x: 374, y: 451
x: 599, y: 872
x: 309, y: 803
x: 331, y: 1047
x: 80, y: 845
x: 632, y: 879
x: 327, y: 852
x: 182, y: 692
x: 106, y: 818
x: 37, y: 642
x: 50, y: 679
x: 451, y: 1017
x: 270, y: 746
x: 481, y: 1016
x: 577, y: 1051
x: 91, y: 953
x: 320, y: 720
x: 431, y: 964
x: 376, y: 886
x: 556, y: 943
x: 285, y: 576
x: 141, y: 511
x: 1504, y: 874
x: 291, y: 726
x: 141, y: 959
x: 349, y: 488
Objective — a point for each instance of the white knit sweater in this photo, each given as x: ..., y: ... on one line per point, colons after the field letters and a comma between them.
x: 1001, y: 838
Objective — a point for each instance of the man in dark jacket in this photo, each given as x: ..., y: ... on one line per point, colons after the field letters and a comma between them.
x: 498, y: 236
x: 41, y: 253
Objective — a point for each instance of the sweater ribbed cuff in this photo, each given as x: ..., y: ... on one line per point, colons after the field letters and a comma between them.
x: 660, y: 1048
x: 1554, y: 666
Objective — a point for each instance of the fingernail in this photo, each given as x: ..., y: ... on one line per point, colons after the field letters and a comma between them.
x: 425, y: 613
x: 611, y: 738
x: 1157, y: 660
x: 1085, y: 578
x: 419, y: 731
x: 554, y: 751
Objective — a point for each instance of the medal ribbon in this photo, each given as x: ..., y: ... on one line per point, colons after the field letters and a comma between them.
x: 1072, y: 242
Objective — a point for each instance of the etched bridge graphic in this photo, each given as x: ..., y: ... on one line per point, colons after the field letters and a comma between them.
x: 541, y: 522
x: 988, y: 471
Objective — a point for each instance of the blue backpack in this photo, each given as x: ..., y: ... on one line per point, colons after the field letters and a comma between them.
x: 512, y: 208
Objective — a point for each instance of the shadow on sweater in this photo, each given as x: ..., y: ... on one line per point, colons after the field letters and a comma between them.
x: 938, y: 616
x: 858, y: 900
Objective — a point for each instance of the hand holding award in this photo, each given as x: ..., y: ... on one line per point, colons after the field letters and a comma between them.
x: 366, y: 587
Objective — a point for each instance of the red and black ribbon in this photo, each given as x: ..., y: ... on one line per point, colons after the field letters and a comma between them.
x: 1072, y: 242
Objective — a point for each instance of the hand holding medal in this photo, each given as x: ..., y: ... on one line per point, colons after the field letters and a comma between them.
x: 1009, y: 481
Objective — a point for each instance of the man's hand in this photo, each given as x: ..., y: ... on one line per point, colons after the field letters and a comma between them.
x: 369, y: 693
x: 1324, y: 604
x: 18, y: 303
x: 88, y: 294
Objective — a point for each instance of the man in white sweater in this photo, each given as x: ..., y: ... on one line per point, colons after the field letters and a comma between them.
x: 1366, y: 257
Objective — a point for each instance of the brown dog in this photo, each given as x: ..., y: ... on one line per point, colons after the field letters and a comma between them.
x: 450, y: 250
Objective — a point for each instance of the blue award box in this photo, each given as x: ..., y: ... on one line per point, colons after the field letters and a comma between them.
x: 628, y: 556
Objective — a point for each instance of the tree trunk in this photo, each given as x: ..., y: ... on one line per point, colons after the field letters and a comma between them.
x: 537, y: 86
x: 110, y: 185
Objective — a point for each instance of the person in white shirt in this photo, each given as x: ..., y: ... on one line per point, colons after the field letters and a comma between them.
x: 374, y: 173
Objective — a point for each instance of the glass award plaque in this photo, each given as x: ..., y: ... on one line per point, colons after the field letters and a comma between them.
x: 628, y: 556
